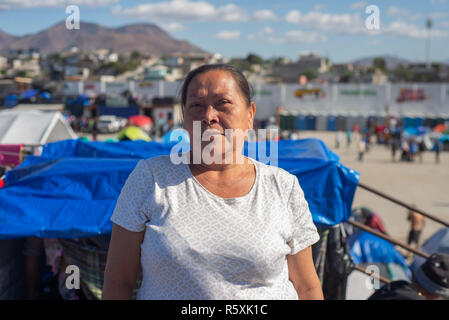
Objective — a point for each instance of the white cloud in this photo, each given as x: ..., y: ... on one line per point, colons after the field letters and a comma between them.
x: 396, y: 11
x: 400, y: 28
x: 262, y: 15
x: 172, y: 27
x: 345, y: 23
x: 354, y: 24
x: 437, y: 15
x: 268, y: 30
x: 266, y: 34
x: 358, y: 5
x: 183, y: 10
x: 304, y: 36
x: 18, y: 4
x: 228, y: 35
x: 404, y: 13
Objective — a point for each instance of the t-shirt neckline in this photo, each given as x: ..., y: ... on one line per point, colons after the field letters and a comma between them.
x: 244, y: 197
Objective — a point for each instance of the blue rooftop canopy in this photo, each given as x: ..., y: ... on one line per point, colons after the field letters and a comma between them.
x: 70, y: 191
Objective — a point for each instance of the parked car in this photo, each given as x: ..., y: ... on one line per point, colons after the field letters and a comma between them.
x: 110, y: 124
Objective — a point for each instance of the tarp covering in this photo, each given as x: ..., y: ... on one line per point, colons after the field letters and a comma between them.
x: 366, y: 248
x: 29, y: 94
x: 438, y: 242
x: 71, y: 190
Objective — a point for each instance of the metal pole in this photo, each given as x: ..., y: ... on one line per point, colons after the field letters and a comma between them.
x: 372, y: 274
x: 428, y: 26
x: 403, y: 204
x: 388, y: 238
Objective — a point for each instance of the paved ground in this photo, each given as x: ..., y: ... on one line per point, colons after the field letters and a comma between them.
x: 424, y: 184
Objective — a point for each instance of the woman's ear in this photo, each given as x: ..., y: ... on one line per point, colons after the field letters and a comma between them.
x: 251, y: 113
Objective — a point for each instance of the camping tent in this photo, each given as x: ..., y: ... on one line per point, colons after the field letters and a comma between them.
x: 33, y: 127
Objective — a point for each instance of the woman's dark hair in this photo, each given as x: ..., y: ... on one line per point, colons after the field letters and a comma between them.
x: 245, y: 88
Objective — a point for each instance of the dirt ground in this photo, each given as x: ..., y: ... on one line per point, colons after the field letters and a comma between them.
x: 424, y: 184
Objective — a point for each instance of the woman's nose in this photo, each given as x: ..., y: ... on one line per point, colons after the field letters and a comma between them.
x: 210, y: 115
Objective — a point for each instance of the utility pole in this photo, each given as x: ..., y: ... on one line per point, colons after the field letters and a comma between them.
x: 429, y: 26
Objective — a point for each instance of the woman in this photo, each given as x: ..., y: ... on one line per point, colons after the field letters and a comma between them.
x: 220, y: 230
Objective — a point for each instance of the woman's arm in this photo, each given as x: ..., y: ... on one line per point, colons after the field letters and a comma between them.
x: 123, y: 264
x: 302, y: 274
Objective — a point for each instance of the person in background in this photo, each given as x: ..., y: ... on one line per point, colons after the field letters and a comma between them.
x: 417, y: 222
x: 348, y: 138
x: 372, y: 220
x: 362, y: 149
x: 421, y: 148
x: 413, y: 150
x: 430, y: 282
x: 338, y: 138
x: 437, y: 150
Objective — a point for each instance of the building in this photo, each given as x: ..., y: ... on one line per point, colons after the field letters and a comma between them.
x: 75, y: 73
x: 290, y: 72
x: 162, y: 72
x: 3, y: 63
x: 425, y: 72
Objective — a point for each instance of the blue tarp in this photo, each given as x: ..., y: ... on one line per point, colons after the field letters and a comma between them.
x: 11, y: 101
x: 45, y: 95
x: 368, y: 248
x: 71, y: 190
x: 28, y: 94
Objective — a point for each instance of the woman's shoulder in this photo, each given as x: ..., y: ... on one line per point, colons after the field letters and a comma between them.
x: 274, y: 174
x: 163, y: 170
x: 157, y: 162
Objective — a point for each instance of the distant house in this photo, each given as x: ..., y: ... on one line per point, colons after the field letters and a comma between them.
x: 290, y: 72
x: 172, y: 62
x: 162, y: 72
x: 3, y: 62
x: 156, y: 72
x: 75, y: 73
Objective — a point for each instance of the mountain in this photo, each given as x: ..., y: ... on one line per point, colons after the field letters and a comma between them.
x: 391, y: 61
x: 146, y: 38
x: 6, y: 39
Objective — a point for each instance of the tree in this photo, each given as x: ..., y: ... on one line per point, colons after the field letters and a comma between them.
x: 310, y: 74
x: 21, y: 73
x: 380, y: 63
x: 254, y: 59
x: 135, y: 55
x: 402, y: 73
x: 346, y: 77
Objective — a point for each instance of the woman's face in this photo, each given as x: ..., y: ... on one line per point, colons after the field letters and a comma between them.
x: 215, y: 101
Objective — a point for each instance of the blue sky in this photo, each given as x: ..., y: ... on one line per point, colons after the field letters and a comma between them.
x: 333, y: 28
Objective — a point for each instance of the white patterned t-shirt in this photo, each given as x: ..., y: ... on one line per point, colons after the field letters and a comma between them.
x: 198, y: 245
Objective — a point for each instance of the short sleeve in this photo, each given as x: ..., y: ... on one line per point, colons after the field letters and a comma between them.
x: 131, y: 210
x: 304, y: 231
